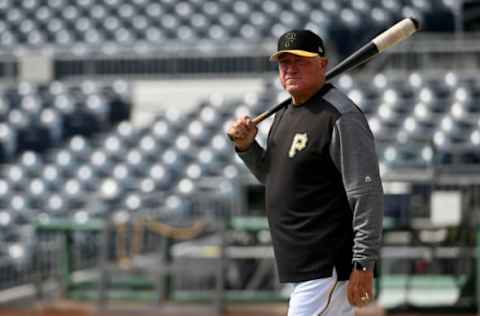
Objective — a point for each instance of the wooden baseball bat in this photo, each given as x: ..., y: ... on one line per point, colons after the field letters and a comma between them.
x: 391, y: 37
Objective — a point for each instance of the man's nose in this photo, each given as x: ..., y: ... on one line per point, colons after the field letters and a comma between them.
x: 291, y: 67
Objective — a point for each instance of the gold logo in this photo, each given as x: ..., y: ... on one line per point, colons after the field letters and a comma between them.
x: 290, y: 38
x: 298, y: 144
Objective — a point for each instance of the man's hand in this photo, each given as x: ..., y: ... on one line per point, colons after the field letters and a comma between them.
x: 243, y: 132
x: 360, y: 288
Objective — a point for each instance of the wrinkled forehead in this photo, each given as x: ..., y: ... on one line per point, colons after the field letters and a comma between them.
x: 292, y: 57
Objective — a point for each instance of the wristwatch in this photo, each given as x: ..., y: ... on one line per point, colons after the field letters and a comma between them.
x: 364, y: 266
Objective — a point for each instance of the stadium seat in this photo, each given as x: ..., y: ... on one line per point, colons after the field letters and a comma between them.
x: 173, y: 159
x: 161, y: 131
x: 5, y: 193
x: 52, y: 176
x: 87, y: 177
x: 123, y: 24
x: 31, y: 163
x: 36, y: 192
x: 51, y: 125
x: 198, y: 132
x: 149, y: 148
x: 56, y: 205
x: 135, y: 161
x: 133, y: 202
x: 161, y: 175
x: 16, y: 176
x: 8, y: 142
x: 114, y: 147
x: 147, y: 185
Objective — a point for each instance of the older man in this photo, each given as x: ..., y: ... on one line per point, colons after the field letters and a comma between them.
x: 324, y: 197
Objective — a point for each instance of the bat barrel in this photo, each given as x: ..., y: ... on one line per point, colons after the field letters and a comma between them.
x: 359, y: 57
x: 397, y: 33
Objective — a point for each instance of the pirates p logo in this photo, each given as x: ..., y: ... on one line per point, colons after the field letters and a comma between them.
x: 299, y: 143
x: 289, y: 39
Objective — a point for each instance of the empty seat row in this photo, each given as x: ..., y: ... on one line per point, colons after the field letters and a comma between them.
x: 346, y: 24
x: 39, y: 117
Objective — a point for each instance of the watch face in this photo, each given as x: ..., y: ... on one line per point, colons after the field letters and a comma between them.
x: 361, y: 267
x: 358, y: 266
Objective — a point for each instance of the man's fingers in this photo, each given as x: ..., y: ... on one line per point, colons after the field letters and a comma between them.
x: 249, y: 122
x: 362, y: 297
x: 241, y: 134
x: 361, y: 289
x: 232, y: 133
x: 241, y: 130
x: 246, y: 123
x: 350, y: 294
x: 357, y: 296
x: 241, y: 124
x: 242, y: 127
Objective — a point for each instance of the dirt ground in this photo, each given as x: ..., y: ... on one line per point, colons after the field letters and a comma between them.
x: 76, y: 309
x: 79, y: 309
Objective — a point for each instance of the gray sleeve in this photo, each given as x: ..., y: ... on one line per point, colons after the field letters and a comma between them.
x: 353, y: 152
x: 254, y: 159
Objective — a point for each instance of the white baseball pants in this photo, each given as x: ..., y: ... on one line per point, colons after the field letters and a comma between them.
x: 320, y: 297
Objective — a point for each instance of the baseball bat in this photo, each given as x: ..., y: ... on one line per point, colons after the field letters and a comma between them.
x: 391, y: 37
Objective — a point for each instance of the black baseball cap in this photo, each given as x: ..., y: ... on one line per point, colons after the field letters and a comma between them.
x: 299, y: 42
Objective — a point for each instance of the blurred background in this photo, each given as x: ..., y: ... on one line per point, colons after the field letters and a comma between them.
x: 119, y: 187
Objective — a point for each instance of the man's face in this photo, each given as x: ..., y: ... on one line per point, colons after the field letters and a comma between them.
x: 301, y: 76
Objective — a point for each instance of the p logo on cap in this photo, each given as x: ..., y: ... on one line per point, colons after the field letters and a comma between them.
x: 290, y: 39
x: 299, y: 42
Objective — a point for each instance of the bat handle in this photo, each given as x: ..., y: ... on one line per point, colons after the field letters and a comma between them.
x: 259, y: 118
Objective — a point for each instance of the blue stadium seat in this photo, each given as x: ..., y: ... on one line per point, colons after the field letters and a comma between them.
x: 122, y: 24
x: 52, y: 176
x: 56, y: 205
x: 99, y: 161
x: 5, y: 193
x: 149, y: 147
x: 133, y: 202
x: 161, y: 175
x: 87, y: 177
x: 8, y: 142
x: 136, y: 161
x: 51, y: 125
x: 114, y: 147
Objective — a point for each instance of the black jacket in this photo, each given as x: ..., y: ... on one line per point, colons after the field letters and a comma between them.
x: 324, y: 197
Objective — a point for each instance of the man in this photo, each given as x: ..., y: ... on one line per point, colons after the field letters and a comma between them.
x: 324, y: 197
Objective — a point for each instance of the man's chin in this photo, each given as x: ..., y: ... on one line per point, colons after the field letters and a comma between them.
x: 292, y: 89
